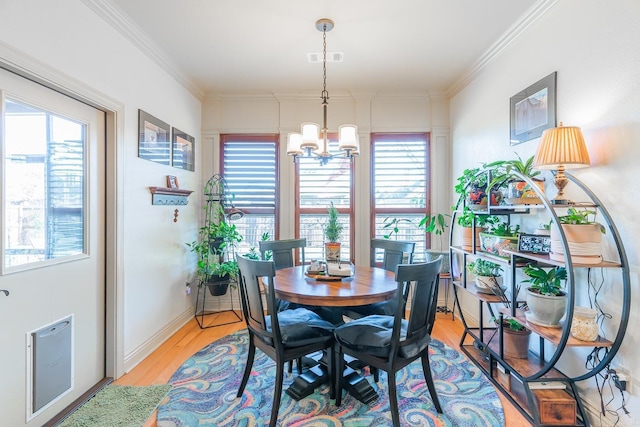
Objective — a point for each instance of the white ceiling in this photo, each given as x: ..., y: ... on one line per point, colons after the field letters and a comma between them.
x: 254, y: 46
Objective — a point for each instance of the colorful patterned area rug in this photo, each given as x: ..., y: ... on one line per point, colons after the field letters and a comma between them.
x: 205, y: 387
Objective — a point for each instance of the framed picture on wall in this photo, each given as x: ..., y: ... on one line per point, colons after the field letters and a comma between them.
x: 154, y: 142
x: 533, y: 110
x: 183, y: 155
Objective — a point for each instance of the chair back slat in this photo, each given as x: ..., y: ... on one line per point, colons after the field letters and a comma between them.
x: 423, y: 281
x: 393, y: 254
x: 283, y: 251
x: 251, y: 275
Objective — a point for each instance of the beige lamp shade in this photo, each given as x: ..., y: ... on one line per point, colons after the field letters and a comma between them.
x: 562, y: 146
x: 293, y: 144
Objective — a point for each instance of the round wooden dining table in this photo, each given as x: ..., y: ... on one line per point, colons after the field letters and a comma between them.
x: 366, y: 285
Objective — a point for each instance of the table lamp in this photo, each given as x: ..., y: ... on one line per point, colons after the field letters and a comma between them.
x: 561, y: 148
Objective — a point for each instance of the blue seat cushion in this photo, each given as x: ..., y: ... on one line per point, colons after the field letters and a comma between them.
x: 300, y: 327
x: 372, y: 335
x: 387, y: 308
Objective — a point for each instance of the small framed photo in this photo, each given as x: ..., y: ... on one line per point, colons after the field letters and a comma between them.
x: 172, y: 181
x: 183, y: 156
x: 533, y: 110
x: 153, y: 140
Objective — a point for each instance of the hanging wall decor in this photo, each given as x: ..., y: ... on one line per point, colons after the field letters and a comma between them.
x: 153, y: 139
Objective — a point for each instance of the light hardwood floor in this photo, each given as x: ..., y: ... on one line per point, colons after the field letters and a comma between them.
x: 162, y: 363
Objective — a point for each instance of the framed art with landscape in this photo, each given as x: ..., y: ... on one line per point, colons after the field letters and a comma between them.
x: 533, y: 110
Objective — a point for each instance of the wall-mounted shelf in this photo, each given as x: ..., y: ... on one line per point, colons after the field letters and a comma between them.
x: 169, y: 196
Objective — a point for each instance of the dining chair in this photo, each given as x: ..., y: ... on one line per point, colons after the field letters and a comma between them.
x: 390, y: 343
x: 283, y: 336
x: 283, y: 251
x: 393, y: 254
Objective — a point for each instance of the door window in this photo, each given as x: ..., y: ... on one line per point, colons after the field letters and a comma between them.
x: 43, y: 186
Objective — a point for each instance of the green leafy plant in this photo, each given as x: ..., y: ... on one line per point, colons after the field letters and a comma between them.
x: 545, y: 282
x: 393, y: 225
x: 503, y: 229
x: 473, y: 179
x: 465, y: 219
x: 254, y: 253
x: 435, y: 224
x: 481, y: 267
x: 583, y: 216
x: 502, y: 170
x: 333, y: 228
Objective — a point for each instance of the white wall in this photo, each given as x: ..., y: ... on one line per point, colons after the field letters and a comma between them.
x: 71, y: 39
x: 595, y: 48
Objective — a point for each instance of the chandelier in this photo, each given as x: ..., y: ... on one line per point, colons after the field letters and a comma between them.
x: 313, y: 141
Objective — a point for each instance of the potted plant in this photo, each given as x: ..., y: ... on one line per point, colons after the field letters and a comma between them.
x: 471, y: 186
x: 466, y: 220
x: 488, y: 275
x: 213, y: 244
x: 332, y: 232
x: 584, y: 237
x: 515, y: 336
x: 436, y: 224
x: 546, y: 298
x: 499, y: 237
x: 518, y: 192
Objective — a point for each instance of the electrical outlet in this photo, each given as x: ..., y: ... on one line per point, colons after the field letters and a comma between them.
x: 622, y: 379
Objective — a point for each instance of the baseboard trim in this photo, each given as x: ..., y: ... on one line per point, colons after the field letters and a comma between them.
x: 132, y: 359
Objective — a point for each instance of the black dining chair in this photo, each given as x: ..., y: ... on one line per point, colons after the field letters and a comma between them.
x: 393, y: 254
x: 283, y: 336
x: 390, y: 343
x: 283, y: 251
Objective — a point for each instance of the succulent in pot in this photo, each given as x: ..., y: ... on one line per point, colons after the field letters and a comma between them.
x: 332, y: 232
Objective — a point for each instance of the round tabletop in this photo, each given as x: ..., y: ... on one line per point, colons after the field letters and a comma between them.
x: 367, y: 285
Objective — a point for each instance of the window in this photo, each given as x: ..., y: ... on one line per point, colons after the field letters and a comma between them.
x: 250, y: 168
x: 317, y: 187
x: 400, y: 186
x: 44, y: 196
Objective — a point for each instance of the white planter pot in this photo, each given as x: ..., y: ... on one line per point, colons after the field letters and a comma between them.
x: 484, y: 284
x: 584, y: 242
x: 545, y: 310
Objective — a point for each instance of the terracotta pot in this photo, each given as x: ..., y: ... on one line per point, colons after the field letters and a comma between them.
x: 516, y: 343
x: 584, y: 242
x: 467, y: 235
x: 332, y: 251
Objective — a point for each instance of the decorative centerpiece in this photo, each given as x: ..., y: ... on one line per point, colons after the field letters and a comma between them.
x: 332, y: 232
x: 500, y: 237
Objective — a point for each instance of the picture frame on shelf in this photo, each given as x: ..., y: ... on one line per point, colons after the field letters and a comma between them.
x: 154, y: 142
x: 182, y: 150
x: 172, y: 181
x: 533, y: 110
x: 534, y: 243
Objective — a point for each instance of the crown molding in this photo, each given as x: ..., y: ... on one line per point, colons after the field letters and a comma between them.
x: 513, y: 33
x: 117, y: 19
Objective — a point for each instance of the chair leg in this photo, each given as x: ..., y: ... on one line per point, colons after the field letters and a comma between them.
x: 299, y: 365
x: 376, y: 373
x: 247, y: 370
x: 338, y: 373
x: 277, y: 394
x: 393, y: 399
x: 290, y: 366
x: 426, y: 368
x: 331, y: 368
